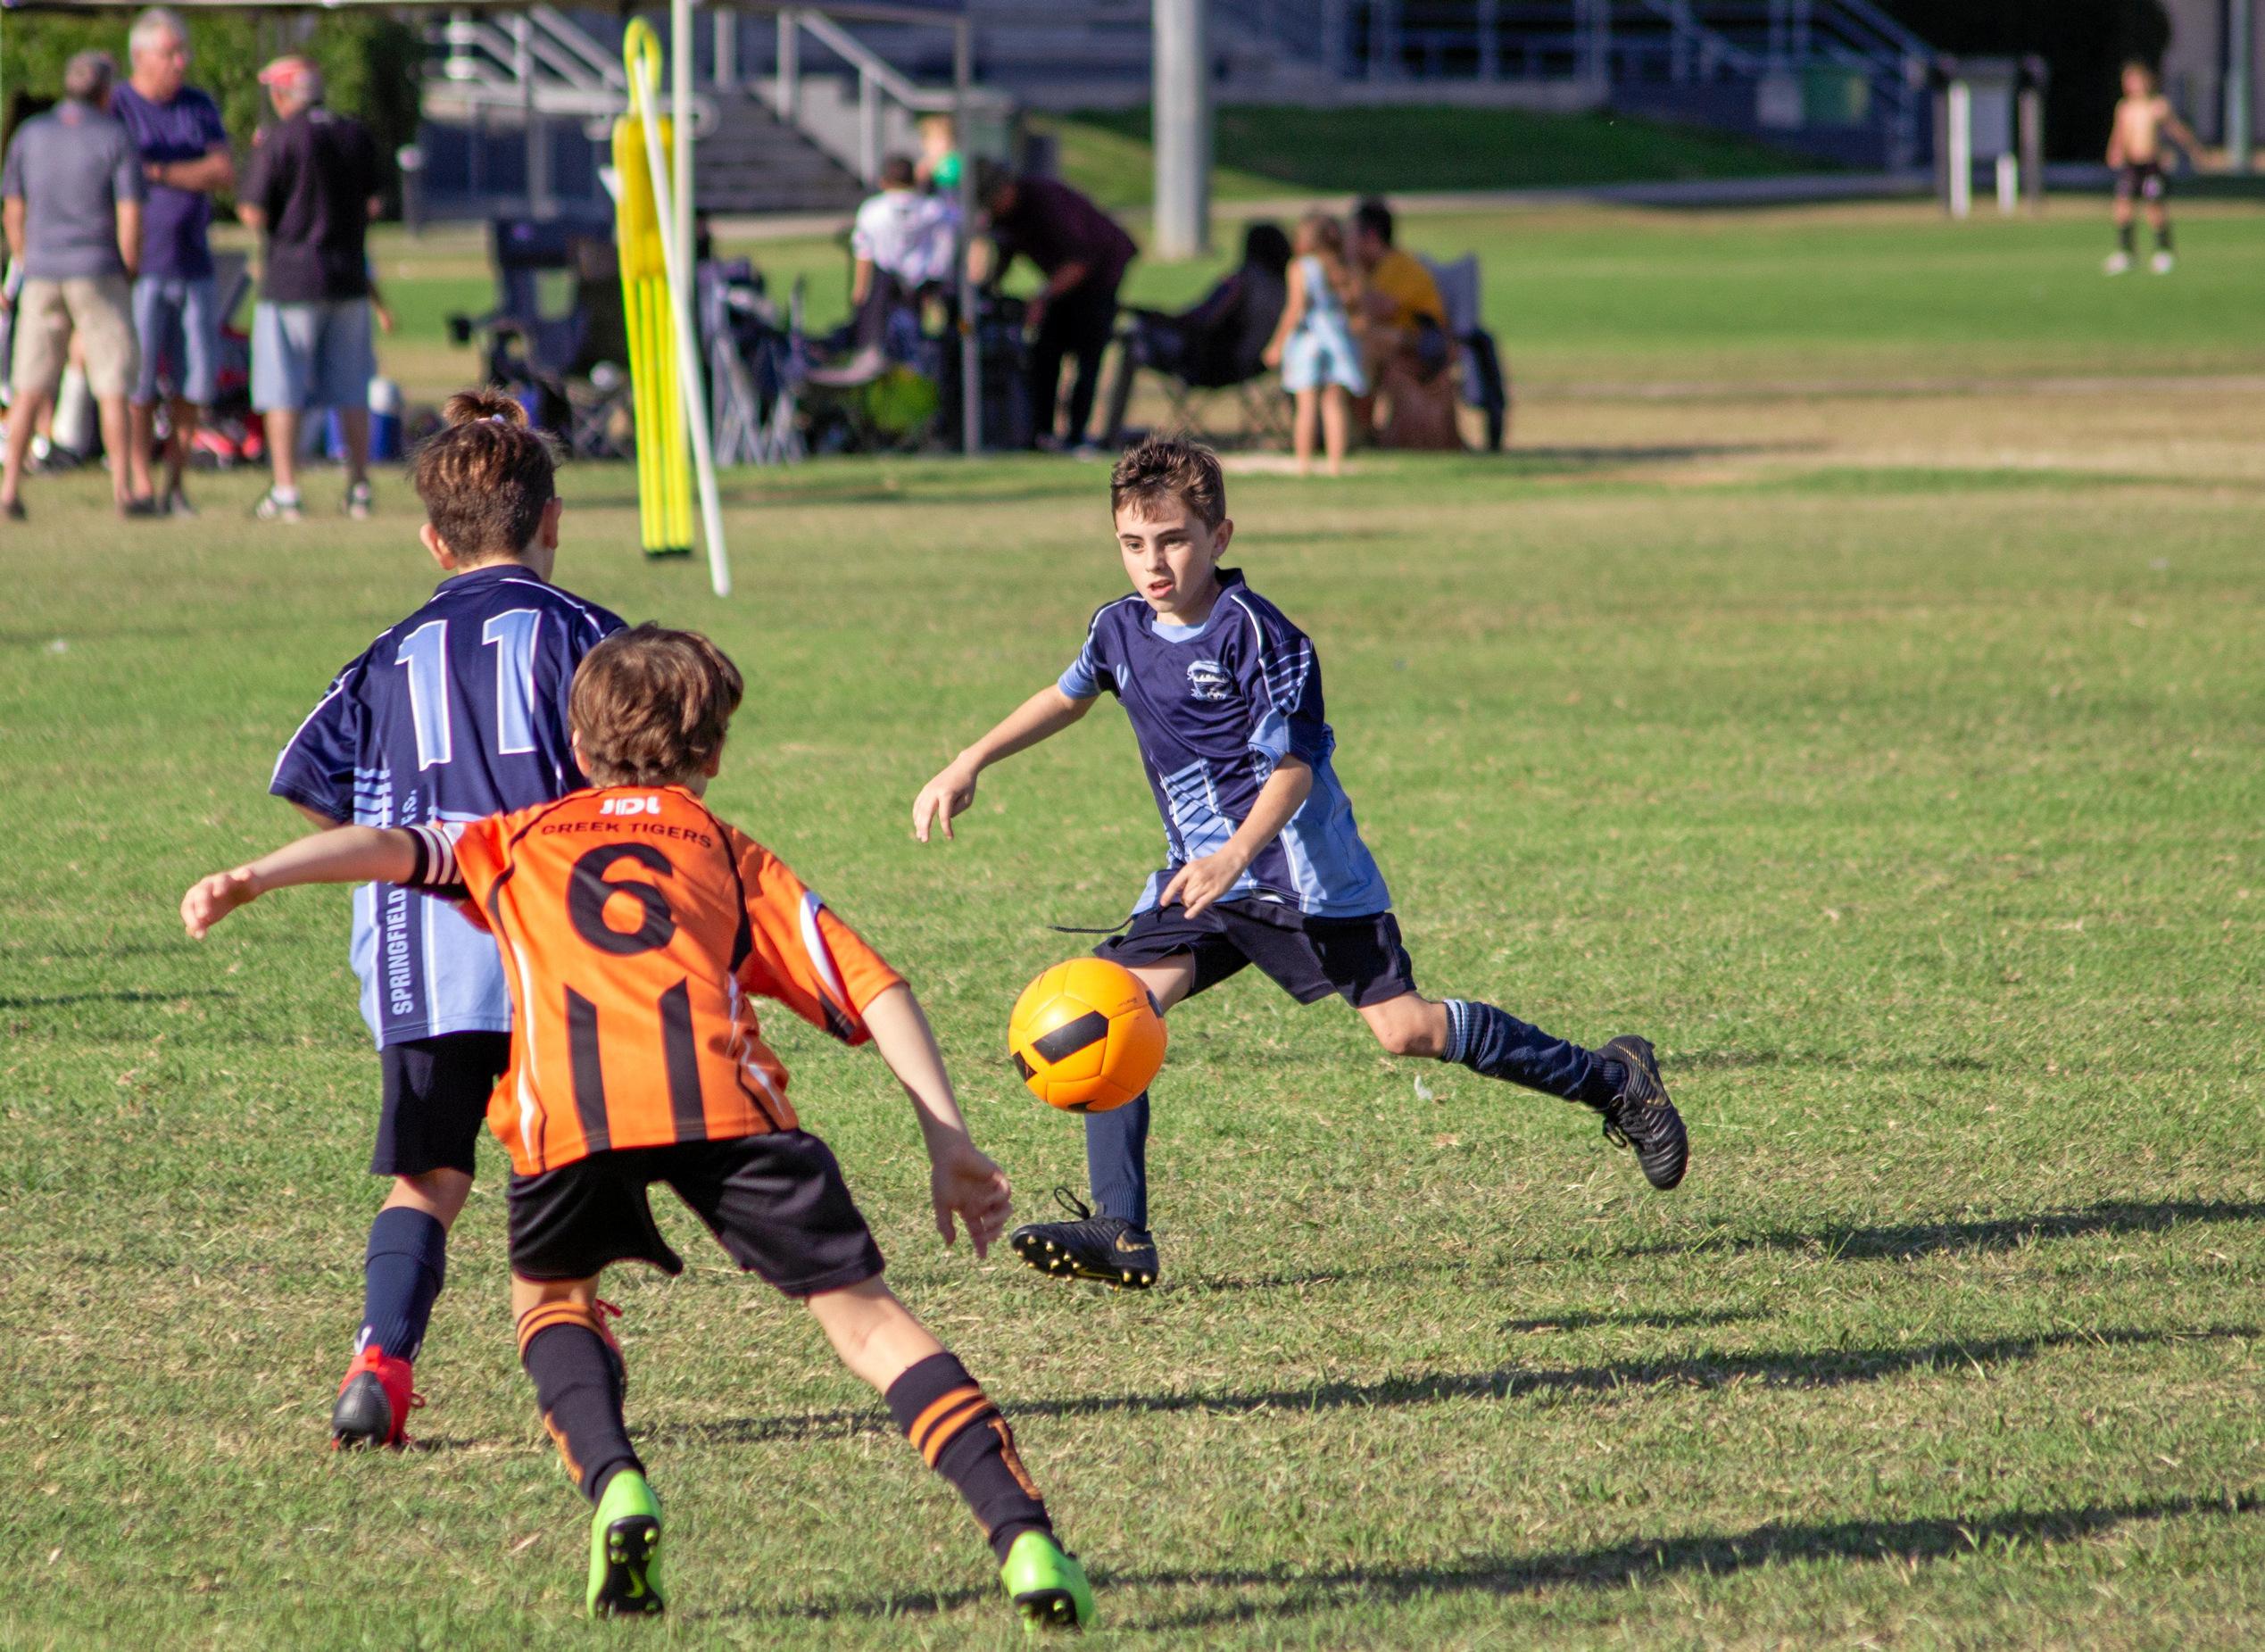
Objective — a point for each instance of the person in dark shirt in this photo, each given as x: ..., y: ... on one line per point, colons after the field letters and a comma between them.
x: 311, y: 189
x: 1082, y: 252
x: 185, y: 162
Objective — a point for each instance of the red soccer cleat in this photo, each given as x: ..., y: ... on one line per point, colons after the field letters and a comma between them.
x: 374, y: 1403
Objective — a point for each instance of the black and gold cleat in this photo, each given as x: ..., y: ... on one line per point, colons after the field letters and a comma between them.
x: 1640, y: 1117
x: 1108, y: 1250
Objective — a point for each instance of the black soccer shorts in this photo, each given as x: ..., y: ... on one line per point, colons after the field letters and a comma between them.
x: 775, y: 1202
x: 1361, y: 959
x: 435, y: 1100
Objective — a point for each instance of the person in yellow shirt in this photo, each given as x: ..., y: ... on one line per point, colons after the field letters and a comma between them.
x: 1406, y: 345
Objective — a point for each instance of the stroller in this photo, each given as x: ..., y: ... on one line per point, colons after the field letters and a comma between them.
x: 566, y: 362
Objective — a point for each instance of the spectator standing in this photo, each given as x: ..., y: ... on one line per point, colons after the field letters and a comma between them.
x: 312, y: 189
x: 902, y: 242
x: 1313, y: 343
x: 185, y: 161
x: 1407, y: 345
x: 72, y: 196
x: 1082, y: 252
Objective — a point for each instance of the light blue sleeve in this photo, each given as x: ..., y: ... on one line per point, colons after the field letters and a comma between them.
x: 1089, y: 673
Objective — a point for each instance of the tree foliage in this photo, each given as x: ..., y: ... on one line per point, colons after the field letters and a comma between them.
x: 372, y: 62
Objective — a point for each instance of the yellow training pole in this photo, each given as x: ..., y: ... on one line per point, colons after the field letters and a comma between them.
x: 641, y: 53
x: 656, y: 365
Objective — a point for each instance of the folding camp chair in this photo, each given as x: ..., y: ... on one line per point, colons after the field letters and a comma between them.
x: 573, y: 356
x: 1486, y: 379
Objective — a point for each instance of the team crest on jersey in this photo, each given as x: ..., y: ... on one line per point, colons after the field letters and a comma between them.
x: 1208, y: 679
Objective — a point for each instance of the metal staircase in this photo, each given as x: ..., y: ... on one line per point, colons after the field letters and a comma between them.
x: 519, y: 110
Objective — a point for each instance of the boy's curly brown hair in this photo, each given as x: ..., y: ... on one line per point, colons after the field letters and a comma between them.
x: 651, y: 706
x: 1167, y: 468
x: 486, y: 478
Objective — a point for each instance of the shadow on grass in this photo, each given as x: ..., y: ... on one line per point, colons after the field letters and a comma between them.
x: 1798, y: 1368
x: 1906, y: 1542
x: 62, y: 999
x: 1287, y: 1587
x: 1911, y: 1241
x: 1742, y: 1058
x: 1634, y: 1318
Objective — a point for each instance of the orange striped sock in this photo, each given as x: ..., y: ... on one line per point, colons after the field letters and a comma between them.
x: 960, y: 1434
x: 577, y: 1373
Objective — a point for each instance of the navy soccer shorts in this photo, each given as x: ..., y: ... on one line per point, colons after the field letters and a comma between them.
x: 437, y: 1091
x: 775, y: 1202
x: 1361, y: 959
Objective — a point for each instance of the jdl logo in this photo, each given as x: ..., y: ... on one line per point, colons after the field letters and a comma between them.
x: 630, y: 806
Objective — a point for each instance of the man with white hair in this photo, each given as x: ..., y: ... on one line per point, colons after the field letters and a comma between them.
x: 185, y: 162
x: 71, y: 196
x: 312, y: 189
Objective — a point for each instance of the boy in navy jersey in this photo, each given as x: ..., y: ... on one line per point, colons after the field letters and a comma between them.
x: 1265, y: 864
x: 457, y: 713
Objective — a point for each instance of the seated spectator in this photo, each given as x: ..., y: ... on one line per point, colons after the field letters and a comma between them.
x: 1411, y: 399
x: 903, y: 242
x: 1221, y: 340
x: 72, y: 189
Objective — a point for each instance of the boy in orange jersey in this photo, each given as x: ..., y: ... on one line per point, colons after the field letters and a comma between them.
x: 637, y: 928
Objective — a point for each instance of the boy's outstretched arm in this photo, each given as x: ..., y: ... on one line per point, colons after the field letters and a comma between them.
x: 341, y: 855
x: 961, y: 1181
x: 1043, y: 714
x: 1207, y: 878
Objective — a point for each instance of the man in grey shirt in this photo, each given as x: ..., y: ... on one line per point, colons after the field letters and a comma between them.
x: 71, y: 197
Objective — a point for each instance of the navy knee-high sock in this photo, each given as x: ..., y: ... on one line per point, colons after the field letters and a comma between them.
x: 1499, y: 1045
x: 1116, y: 1160
x: 402, y: 1274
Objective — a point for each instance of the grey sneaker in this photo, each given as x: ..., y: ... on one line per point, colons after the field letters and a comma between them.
x: 358, y: 502
x: 274, y: 508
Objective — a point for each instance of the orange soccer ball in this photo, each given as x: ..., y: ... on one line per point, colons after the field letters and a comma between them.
x: 1086, y: 1036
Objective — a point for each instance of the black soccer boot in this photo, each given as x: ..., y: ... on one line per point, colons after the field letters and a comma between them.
x: 1107, y: 1249
x: 1640, y: 1117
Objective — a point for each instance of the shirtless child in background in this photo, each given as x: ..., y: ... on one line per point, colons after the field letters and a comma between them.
x: 2144, y: 120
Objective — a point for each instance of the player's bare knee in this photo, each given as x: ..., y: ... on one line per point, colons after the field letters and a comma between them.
x: 439, y: 1193
x: 1408, y: 1026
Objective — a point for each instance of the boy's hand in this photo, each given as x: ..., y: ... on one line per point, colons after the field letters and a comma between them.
x: 1202, y: 880
x: 211, y: 899
x: 948, y: 794
x: 966, y: 1183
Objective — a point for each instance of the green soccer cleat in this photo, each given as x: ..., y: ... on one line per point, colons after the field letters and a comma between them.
x: 1047, y: 1585
x: 624, y: 1534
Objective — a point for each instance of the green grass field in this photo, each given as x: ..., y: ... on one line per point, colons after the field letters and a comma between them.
x: 1265, y: 153
x: 1852, y: 681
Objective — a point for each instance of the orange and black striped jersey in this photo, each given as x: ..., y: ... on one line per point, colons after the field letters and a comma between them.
x: 637, y: 928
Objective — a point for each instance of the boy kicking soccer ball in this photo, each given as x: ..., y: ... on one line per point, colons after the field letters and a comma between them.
x: 638, y: 929
x: 2144, y: 120
x: 458, y: 711
x: 1265, y: 865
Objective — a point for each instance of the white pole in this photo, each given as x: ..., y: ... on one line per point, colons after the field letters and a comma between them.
x: 2009, y: 184
x: 674, y: 257
x: 1961, y: 99
x: 1181, y: 94
x: 971, y: 383
x: 680, y: 74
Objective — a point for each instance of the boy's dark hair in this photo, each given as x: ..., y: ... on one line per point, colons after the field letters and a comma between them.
x: 1167, y: 468
x: 651, y: 706
x: 486, y: 478
x: 1374, y: 215
x: 897, y: 172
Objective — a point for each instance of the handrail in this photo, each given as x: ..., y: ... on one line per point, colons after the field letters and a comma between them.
x: 870, y: 65
x: 567, y: 35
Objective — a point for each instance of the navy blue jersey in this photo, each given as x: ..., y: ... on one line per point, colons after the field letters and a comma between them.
x: 457, y: 713
x: 1215, y: 706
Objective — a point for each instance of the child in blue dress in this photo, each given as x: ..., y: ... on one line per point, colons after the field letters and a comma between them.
x: 1313, y: 343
